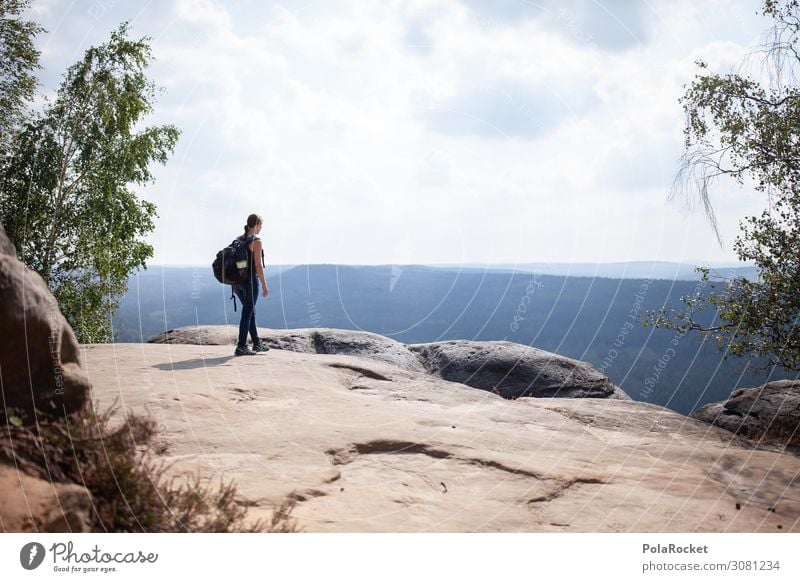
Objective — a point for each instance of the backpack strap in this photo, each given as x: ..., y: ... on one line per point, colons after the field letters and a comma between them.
x: 251, y: 239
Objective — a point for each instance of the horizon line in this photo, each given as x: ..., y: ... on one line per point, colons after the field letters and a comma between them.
x: 688, y: 263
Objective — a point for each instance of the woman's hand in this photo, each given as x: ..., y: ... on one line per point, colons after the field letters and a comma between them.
x: 265, y: 291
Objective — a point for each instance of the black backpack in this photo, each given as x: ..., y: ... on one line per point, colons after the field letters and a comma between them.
x: 231, y: 266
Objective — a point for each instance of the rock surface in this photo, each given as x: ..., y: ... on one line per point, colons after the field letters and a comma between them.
x: 505, y: 368
x: 31, y: 504
x: 38, y: 351
x: 772, y: 406
x: 304, y: 340
x: 201, y: 335
x: 366, y: 446
x: 514, y: 370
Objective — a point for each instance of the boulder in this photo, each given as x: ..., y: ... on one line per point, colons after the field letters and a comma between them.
x: 6, y: 246
x: 514, y: 370
x: 772, y: 409
x: 32, y: 504
x: 39, y: 362
x: 347, y: 343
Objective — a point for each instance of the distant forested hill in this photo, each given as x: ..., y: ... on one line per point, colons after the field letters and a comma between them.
x: 591, y: 319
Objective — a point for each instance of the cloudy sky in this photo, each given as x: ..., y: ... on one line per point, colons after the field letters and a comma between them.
x: 424, y: 131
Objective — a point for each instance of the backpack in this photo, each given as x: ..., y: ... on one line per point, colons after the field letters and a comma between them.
x: 231, y: 265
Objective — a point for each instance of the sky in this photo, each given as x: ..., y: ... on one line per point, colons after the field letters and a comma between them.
x: 425, y: 131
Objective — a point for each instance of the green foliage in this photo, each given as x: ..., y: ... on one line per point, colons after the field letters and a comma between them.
x: 67, y: 199
x: 740, y: 127
x: 18, y: 59
x: 131, y: 489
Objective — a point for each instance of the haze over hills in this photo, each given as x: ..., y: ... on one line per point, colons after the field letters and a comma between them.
x: 597, y: 320
x: 615, y: 270
x: 622, y: 270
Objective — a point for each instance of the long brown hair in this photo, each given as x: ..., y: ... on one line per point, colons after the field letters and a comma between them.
x: 252, y: 221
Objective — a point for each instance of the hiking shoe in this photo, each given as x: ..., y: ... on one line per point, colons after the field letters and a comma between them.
x: 260, y: 347
x: 243, y: 352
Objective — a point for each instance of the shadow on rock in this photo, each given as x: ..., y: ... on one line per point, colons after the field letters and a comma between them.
x: 193, y: 364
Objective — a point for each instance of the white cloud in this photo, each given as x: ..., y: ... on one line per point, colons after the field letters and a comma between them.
x: 424, y: 131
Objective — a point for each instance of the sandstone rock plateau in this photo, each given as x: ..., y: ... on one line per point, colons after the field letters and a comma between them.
x: 375, y: 442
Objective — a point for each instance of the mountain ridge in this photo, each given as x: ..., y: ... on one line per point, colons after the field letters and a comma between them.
x: 576, y: 317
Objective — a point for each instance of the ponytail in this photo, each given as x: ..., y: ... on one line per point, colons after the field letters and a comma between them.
x: 252, y: 221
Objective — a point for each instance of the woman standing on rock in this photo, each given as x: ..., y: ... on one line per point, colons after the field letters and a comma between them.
x: 247, y: 292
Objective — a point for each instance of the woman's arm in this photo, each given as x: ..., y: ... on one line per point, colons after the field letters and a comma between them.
x: 256, y: 248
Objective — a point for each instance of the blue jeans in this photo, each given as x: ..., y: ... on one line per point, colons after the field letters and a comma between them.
x: 248, y: 295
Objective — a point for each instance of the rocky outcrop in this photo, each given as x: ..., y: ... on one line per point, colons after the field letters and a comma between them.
x: 40, y: 373
x: 505, y: 368
x: 514, y: 370
x: 366, y: 446
x: 339, y: 341
x: 304, y: 340
x: 771, y: 410
x: 38, y: 350
x: 200, y: 335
